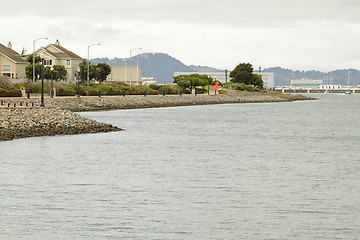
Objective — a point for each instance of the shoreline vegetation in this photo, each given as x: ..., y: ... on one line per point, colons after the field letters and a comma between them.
x: 22, y: 117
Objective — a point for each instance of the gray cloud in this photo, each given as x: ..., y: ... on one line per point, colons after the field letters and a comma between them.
x: 301, y: 34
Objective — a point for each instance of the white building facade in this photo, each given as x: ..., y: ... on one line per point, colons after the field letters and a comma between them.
x: 330, y: 87
x: 306, y: 83
x: 148, y: 80
x: 126, y: 74
x: 268, y: 79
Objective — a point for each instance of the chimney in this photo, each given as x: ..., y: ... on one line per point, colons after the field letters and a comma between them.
x: 57, y: 42
x: 9, y: 45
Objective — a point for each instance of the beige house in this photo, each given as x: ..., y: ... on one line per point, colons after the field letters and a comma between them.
x: 11, y: 63
x: 54, y: 54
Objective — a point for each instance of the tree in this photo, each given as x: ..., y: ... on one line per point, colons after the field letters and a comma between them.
x: 59, y: 72
x: 29, y: 70
x: 182, y: 81
x: 103, y: 70
x: 83, y: 70
x: 243, y: 73
x: 193, y: 80
x: 257, y: 80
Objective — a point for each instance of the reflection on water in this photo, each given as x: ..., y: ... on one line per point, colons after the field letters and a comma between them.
x: 237, y: 171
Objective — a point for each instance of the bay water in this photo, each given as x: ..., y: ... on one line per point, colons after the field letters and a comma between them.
x: 232, y: 171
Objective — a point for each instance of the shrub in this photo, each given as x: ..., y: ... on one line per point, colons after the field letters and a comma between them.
x: 155, y: 87
x: 89, y: 91
x: 65, y: 90
x: 200, y: 90
x: 111, y: 91
x: 117, y: 89
x: 3, y: 92
x: 5, y: 83
x: 239, y: 86
x: 222, y: 91
x: 10, y: 93
x: 149, y: 91
x: 34, y: 87
x: 139, y: 90
x: 14, y: 93
x: 85, y: 90
x: 119, y: 84
x: 169, y: 89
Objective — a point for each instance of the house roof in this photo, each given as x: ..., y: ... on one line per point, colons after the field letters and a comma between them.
x: 62, y: 53
x: 11, y: 54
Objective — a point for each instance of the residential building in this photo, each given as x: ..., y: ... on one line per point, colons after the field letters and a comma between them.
x: 11, y: 63
x: 55, y: 54
x: 127, y: 74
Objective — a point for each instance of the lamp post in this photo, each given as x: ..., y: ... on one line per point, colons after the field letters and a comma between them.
x: 52, y: 84
x: 78, y: 81
x: 137, y: 72
x: 226, y: 75
x: 208, y: 85
x: 130, y: 61
x: 125, y: 70
x: 42, y: 84
x: 88, y: 63
x: 215, y: 83
x: 34, y: 57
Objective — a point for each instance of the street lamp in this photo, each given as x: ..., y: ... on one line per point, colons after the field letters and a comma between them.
x: 34, y: 57
x: 52, y: 80
x: 42, y: 84
x: 78, y: 78
x: 208, y: 85
x: 130, y: 61
x: 88, y: 63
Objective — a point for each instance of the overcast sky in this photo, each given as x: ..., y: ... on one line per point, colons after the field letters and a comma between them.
x: 297, y: 34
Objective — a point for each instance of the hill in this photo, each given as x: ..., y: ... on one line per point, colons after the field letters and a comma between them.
x: 162, y: 67
x: 158, y: 65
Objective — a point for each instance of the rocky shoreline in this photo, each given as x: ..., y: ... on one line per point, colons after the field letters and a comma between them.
x: 21, y: 117
x: 34, y: 122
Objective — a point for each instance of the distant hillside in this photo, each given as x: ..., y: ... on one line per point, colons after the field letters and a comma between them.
x: 162, y: 67
x: 203, y: 69
x: 158, y: 65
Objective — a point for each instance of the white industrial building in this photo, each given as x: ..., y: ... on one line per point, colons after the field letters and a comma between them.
x: 306, y: 83
x: 268, y: 79
x: 330, y: 87
x: 148, y: 80
x: 127, y: 74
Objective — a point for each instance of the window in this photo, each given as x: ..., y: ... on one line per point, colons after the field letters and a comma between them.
x: 6, y: 68
x: 48, y: 62
x: 67, y: 62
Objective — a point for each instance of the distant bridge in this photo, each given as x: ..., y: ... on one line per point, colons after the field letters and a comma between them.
x: 284, y: 90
